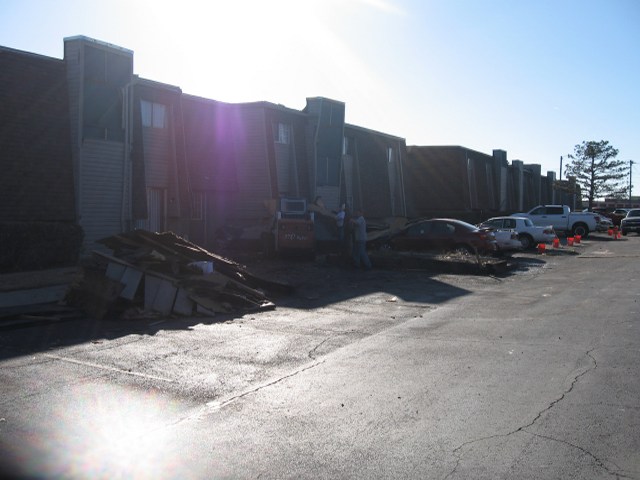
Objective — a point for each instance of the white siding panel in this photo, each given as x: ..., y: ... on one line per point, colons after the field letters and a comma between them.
x: 330, y: 196
x: 102, y: 189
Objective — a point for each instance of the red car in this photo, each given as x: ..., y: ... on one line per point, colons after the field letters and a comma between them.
x: 444, y: 234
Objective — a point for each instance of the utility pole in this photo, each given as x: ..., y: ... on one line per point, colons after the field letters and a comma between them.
x: 630, y: 175
x: 560, y: 167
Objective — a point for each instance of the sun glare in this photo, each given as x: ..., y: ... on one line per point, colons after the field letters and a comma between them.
x: 109, y: 432
x: 250, y: 50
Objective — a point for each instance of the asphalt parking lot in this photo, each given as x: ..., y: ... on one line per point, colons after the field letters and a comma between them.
x: 391, y: 373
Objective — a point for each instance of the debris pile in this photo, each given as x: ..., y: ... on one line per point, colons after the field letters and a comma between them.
x: 34, y: 296
x: 164, y: 273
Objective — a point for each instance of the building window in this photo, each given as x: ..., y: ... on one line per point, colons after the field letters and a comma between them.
x: 153, y: 114
x: 197, y: 206
x: 281, y: 133
x: 105, y: 74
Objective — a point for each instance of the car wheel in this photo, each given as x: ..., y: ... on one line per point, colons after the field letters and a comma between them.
x: 625, y: 233
x: 526, y: 241
x: 385, y: 247
x: 581, y: 229
x: 463, y: 250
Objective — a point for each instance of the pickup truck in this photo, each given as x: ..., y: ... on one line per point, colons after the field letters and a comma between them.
x: 563, y: 219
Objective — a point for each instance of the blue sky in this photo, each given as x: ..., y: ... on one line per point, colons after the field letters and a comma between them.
x: 533, y: 78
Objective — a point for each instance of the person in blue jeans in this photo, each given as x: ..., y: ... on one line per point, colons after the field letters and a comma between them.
x: 360, y: 241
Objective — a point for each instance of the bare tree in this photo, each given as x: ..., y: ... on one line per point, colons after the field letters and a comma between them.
x: 597, y: 171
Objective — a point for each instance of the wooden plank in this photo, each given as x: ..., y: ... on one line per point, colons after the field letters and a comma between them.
x: 203, y: 311
x: 151, y: 287
x: 159, y: 294
x: 33, y: 296
x: 10, y: 282
x: 183, y: 304
x: 115, y: 271
x: 211, y: 304
x: 131, y: 280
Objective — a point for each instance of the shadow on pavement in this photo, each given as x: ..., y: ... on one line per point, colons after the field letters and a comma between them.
x: 316, y: 284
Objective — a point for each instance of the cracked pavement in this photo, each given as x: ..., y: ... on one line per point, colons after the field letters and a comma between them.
x: 383, y: 374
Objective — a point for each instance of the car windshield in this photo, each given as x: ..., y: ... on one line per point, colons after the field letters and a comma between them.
x: 633, y: 213
x: 491, y: 223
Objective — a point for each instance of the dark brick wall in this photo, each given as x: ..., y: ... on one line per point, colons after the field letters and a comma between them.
x: 436, y: 181
x: 36, y: 179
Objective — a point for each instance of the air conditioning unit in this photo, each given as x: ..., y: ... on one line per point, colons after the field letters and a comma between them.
x: 291, y: 206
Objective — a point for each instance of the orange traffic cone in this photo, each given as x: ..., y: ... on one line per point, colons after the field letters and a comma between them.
x: 577, y: 238
x: 570, y: 241
x: 541, y: 247
x: 556, y: 242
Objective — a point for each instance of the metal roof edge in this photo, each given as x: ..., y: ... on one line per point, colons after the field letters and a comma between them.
x: 377, y: 132
x: 260, y: 104
x: 144, y: 82
x: 29, y: 54
x: 86, y: 39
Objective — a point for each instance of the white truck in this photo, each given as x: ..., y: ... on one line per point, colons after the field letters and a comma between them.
x: 563, y: 219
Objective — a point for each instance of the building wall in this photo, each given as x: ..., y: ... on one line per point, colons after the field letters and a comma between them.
x: 73, y: 64
x: 500, y: 179
x: 458, y: 182
x: 227, y: 152
x: 235, y: 166
x: 481, y: 173
x: 158, y: 155
x: 211, y: 160
x: 436, y: 181
x: 166, y: 188
x: 288, y: 156
x: 102, y: 187
x: 254, y: 174
x: 36, y: 183
x: 97, y: 74
x: 326, y: 134
x: 378, y: 175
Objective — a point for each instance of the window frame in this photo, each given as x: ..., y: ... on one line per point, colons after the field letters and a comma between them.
x: 282, y: 133
x: 153, y: 114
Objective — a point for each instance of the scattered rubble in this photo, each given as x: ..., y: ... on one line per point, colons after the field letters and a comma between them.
x: 27, y: 297
x: 166, y: 274
x: 451, y: 262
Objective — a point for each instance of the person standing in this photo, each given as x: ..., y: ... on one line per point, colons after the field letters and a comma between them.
x: 340, y: 224
x: 360, y: 242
